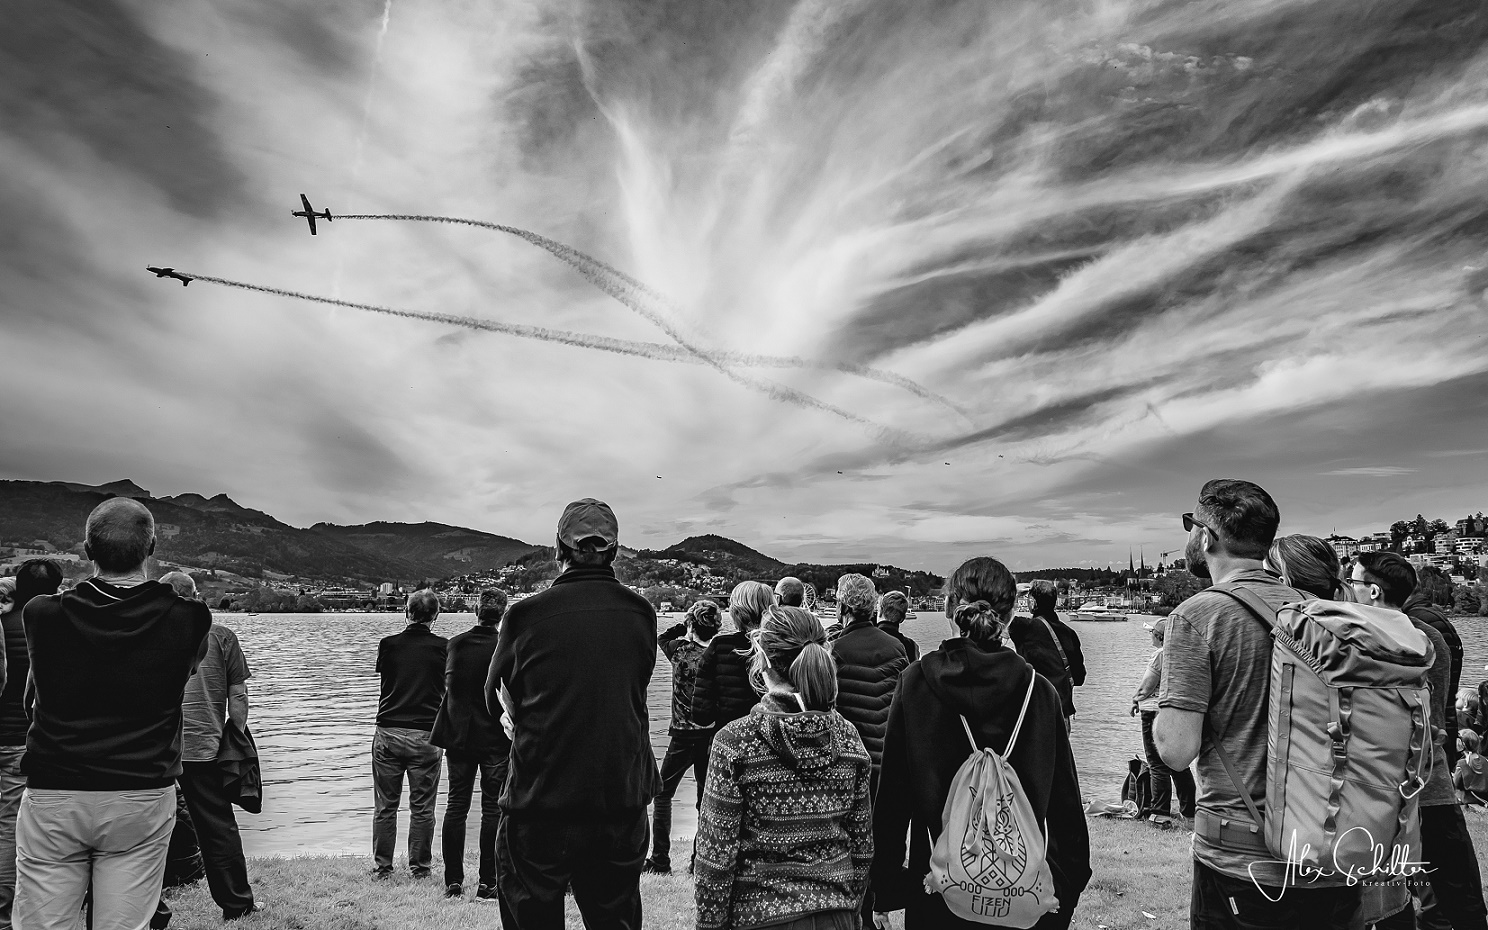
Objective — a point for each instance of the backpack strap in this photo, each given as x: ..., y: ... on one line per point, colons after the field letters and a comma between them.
x: 1257, y: 607
x: 1057, y: 644
x: 1012, y: 740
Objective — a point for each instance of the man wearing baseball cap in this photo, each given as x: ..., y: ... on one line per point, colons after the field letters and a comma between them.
x: 575, y: 661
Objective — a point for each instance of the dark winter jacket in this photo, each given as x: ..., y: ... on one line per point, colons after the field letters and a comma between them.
x: 576, y: 660
x: 1418, y: 607
x: 1033, y: 642
x: 869, y: 662
x: 723, y: 692
x: 926, y: 744
x: 911, y: 648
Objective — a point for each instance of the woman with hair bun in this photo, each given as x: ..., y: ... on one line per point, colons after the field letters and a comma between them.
x: 974, y: 676
x: 1308, y: 564
x: 785, y: 834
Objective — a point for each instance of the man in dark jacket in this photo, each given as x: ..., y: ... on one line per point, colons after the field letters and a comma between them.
x: 109, y: 660
x: 411, y: 664
x: 1043, y: 593
x: 1419, y: 607
x: 868, y: 664
x: 892, y: 609
x: 473, y: 741
x: 571, y: 669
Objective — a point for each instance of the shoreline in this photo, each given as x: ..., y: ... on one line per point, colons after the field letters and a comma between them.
x: 1139, y: 870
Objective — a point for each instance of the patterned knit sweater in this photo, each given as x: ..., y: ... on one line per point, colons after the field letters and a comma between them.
x: 785, y: 828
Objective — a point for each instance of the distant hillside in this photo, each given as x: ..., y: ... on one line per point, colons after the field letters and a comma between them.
x: 712, y: 561
x: 718, y: 552
x: 215, y: 533
x: 435, y: 549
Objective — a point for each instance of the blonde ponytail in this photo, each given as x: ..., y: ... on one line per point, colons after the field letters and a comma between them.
x: 814, y: 675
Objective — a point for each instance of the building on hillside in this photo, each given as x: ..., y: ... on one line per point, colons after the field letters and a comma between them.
x: 1471, y: 545
x: 167, y: 530
x: 1345, y: 546
x: 1472, y: 526
x: 1444, y: 543
x: 1420, y: 560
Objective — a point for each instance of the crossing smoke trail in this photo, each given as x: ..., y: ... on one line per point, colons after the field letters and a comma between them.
x: 628, y: 291
x: 579, y: 340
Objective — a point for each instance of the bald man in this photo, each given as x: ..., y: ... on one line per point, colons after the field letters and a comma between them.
x: 109, y: 659
x: 790, y: 592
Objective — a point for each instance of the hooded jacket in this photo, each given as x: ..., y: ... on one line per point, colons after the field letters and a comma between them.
x: 723, y: 692
x: 869, y: 662
x: 924, y: 747
x: 1419, y: 607
x: 785, y: 828
x: 109, y: 666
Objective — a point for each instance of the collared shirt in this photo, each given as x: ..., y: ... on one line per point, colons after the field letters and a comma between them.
x: 204, y: 704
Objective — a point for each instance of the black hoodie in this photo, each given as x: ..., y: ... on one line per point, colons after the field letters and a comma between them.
x: 110, y: 665
x: 926, y: 744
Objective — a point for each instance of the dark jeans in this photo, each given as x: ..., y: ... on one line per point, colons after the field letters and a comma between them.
x: 689, y: 751
x: 204, y: 785
x: 538, y: 859
x: 1164, y: 779
x: 1221, y: 902
x: 1456, y: 883
x: 396, y: 750
x: 462, y: 772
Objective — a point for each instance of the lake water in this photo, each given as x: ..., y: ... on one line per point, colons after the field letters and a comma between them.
x: 314, y: 703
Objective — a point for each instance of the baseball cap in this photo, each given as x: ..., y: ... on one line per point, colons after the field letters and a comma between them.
x: 1152, y: 625
x: 588, y: 519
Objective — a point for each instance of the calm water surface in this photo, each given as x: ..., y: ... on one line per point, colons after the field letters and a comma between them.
x: 314, y: 703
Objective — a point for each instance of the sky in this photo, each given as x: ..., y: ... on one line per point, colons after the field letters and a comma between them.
x: 854, y: 281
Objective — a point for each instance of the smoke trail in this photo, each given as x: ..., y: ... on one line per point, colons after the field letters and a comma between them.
x: 579, y: 340
x: 627, y: 290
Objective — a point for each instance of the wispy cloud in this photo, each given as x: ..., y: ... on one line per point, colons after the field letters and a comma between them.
x: 1371, y: 471
x: 1134, y: 269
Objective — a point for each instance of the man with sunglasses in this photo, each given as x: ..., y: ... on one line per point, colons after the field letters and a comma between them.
x: 1386, y: 579
x: 1216, y: 678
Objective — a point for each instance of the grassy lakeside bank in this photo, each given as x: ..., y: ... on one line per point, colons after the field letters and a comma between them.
x: 1138, y: 868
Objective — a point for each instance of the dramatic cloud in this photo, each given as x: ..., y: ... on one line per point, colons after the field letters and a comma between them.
x: 1091, y: 254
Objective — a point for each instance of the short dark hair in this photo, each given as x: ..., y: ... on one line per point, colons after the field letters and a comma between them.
x: 36, y: 578
x: 1242, y: 514
x: 1393, y: 574
x: 893, y: 607
x: 1044, y: 593
x: 492, y: 606
x: 120, y: 534
x: 423, y: 606
x: 587, y: 553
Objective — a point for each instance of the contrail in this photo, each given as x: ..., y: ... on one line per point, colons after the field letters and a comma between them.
x: 623, y: 288
x: 387, y: 15
x: 579, y: 340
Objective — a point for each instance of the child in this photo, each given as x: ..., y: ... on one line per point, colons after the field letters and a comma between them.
x: 1163, y: 778
x: 1471, y: 777
x: 688, y: 743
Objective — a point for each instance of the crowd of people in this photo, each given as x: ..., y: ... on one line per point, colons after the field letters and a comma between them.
x: 827, y: 757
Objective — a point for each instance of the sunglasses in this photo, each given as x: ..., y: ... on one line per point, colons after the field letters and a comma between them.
x: 1189, y: 523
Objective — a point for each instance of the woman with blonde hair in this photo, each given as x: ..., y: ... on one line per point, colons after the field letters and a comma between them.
x: 723, y: 692
x: 785, y: 834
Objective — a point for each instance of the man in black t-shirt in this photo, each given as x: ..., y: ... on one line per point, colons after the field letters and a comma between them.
x: 411, y: 664
x: 109, y: 660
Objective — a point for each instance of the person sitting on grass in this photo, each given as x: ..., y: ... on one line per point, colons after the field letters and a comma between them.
x: 688, y: 742
x: 785, y: 833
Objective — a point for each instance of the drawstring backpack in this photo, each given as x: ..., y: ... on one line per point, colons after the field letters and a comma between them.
x: 990, y: 862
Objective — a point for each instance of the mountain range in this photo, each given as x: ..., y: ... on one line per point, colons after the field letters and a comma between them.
x: 219, y: 533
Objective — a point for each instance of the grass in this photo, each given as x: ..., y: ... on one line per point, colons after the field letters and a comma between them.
x: 1138, y: 868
